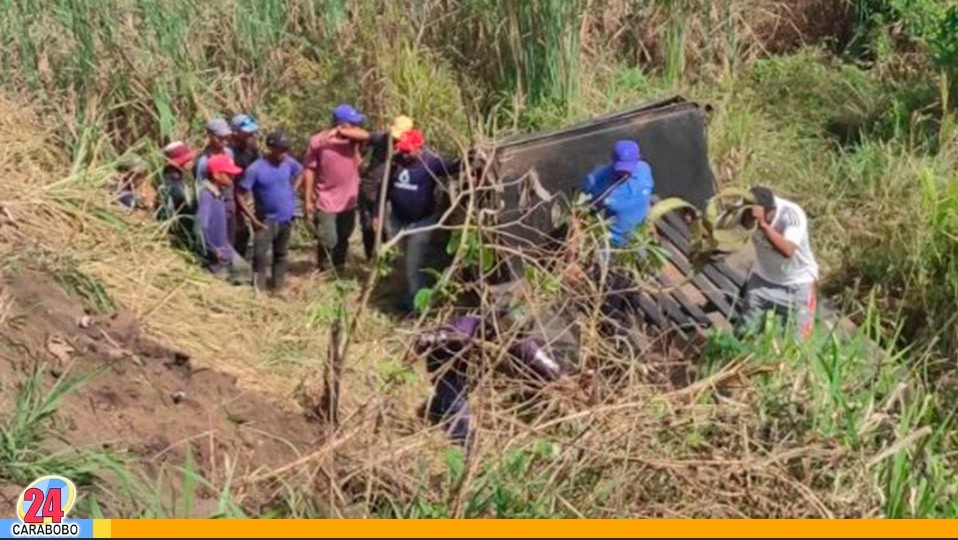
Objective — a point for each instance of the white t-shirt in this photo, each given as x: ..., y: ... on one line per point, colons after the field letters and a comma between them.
x: 799, y: 269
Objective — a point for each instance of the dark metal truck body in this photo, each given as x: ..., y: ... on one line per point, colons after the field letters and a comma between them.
x: 672, y: 137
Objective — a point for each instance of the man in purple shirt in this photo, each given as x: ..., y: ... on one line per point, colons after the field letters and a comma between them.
x: 411, y: 192
x: 271, y: 179
x: 212, y: 221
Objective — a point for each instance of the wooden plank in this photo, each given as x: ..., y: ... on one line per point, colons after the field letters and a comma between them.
x: 670, y: 279
x: 712, y: 292
x: 738, y: 278
x: 677, y: 222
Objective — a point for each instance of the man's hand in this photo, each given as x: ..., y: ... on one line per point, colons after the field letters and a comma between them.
x: 758, y: 213
x: 573, y: 272
x: 375, y: 223
x: 257, y: 225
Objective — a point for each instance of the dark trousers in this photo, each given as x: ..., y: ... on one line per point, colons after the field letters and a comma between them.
x: 334, y: 231
x: 367, y: 209
x: 276, y: 236
x: 242, y: 235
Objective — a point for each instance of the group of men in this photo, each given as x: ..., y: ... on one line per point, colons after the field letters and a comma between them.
x: 243, y: 202
x: 234, y: 203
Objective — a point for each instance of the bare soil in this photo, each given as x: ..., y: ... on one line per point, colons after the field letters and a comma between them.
x: 146, y: 399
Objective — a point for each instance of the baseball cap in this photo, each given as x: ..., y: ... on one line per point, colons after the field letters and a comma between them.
x: 244, y: 123
x: 278, y: 140
x: 400, y: 125
x: 218, y: 127
x: 222, y: 163
x: 410, y: 141
x: 179, y: 153
x: 625, y: 156
x: 347, y: 114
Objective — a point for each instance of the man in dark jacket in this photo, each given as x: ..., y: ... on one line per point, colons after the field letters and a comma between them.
x: 379, y: 147
x: 176, y: 194
x: 541, y: 348
x: 243, y: 147
x: 411, y: 192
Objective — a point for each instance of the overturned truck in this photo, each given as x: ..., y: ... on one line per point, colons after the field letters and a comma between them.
x: 537, y: 171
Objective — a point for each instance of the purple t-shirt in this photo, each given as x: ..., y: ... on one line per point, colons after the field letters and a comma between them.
x: 211, y: 220
x: 272, y: 187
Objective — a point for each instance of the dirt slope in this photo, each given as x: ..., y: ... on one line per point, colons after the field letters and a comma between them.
x: 147, y: 400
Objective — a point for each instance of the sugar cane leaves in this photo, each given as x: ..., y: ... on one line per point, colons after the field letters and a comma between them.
x: 719, y: 229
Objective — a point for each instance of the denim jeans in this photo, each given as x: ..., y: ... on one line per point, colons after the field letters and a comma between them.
x: 415, y: 244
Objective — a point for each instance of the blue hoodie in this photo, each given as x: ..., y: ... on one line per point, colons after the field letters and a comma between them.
x: 628, y: 204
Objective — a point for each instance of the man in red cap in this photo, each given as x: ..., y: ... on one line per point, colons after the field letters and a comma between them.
x: 411, y: 192
x: 176, y: 193
x: 212, y: 217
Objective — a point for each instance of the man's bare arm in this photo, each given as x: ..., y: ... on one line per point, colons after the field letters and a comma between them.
x: 778, y: 241
x: 353, y: 133
x: 242, y: 201
x: 309, y: 181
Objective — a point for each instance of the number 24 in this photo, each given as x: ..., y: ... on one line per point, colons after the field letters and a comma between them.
x: 43, y: 507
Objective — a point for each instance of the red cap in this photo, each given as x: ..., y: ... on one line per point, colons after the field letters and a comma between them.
x: 410, y: 141
x: 222, y: 163
x: 179, y: 153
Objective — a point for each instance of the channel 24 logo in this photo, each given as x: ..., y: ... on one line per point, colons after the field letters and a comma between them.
x: 42, y: 509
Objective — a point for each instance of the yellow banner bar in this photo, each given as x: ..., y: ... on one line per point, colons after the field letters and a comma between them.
x: 556, y: 528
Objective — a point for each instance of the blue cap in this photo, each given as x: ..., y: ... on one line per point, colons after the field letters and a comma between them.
x: 625, y: 156
x: 346, y: 114
x: 244, y: 123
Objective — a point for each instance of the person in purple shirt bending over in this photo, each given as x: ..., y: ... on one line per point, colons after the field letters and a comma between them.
x: 271, y: 179
x: 212, y: 221
x: 411, y: 193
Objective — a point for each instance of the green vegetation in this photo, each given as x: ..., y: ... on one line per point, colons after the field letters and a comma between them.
x: 850, y: 110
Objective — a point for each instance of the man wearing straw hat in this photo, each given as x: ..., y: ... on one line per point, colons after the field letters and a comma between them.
x: 380, y: 150
x: 130, y: 187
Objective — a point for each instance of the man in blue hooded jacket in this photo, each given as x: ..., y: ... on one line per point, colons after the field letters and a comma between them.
x: 622, y: 191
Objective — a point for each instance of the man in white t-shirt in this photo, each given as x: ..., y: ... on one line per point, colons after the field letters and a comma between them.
x: 784, y: 278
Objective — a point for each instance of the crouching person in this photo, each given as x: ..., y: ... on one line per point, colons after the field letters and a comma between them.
x: 212, y: 220
x: 784, y: 277
x: 449, y: 351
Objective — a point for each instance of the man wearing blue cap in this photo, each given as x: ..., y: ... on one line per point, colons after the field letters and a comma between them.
x: 622, y: 191
x: 331, y: 183
x: 243, y: 146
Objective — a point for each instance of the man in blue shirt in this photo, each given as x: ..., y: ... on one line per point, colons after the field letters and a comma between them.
x: 211, y: 219
x: 622, y: 191
x: 271, y: 180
